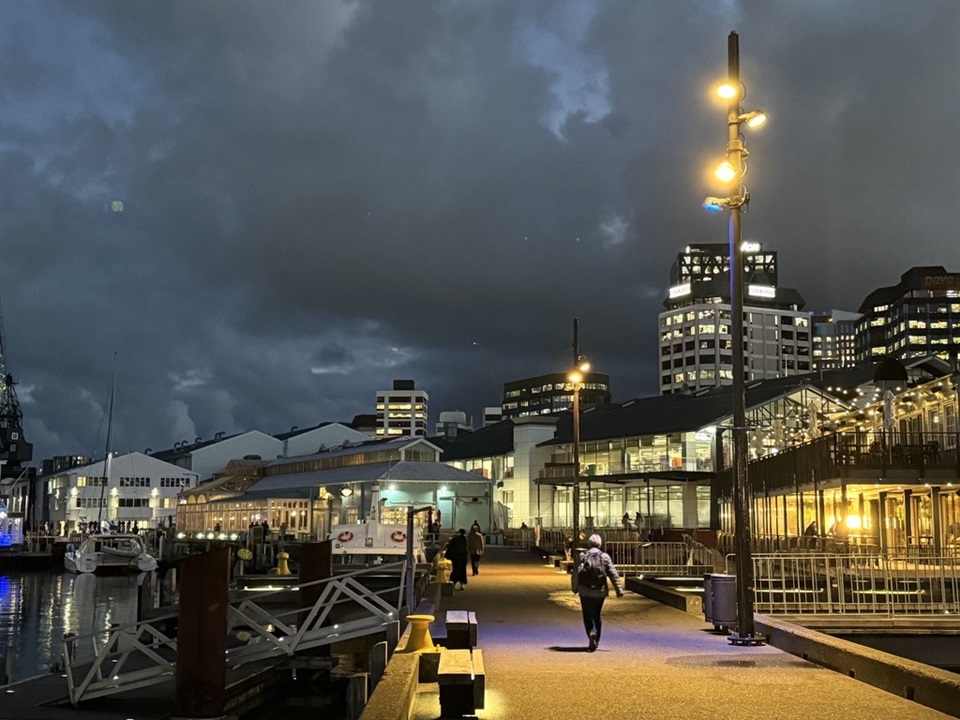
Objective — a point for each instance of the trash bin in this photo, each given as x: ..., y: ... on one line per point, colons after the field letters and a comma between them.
x: 723, y: 600
x: 707, y: 598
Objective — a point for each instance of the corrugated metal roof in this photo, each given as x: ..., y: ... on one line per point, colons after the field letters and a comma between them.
x: 402, y: 471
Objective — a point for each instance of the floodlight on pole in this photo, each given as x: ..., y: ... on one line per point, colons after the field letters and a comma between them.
x: 575, y: 378
x: 732, y: 169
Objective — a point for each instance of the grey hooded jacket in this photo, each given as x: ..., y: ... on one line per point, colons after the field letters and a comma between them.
x: 608, y: 569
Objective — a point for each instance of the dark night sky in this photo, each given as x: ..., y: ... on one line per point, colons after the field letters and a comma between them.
x: 319, y: 197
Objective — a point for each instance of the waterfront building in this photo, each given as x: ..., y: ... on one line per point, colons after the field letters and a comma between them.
x: 883, y: 473
x: 208, y: 457
x: 915, y: 318
x: 552, y: 393
x: 834, y: 339
x: 655, y: 456
x: 695, y: 340
x: 132, y: 488
x: 402, y: 410
x: 307, y: 495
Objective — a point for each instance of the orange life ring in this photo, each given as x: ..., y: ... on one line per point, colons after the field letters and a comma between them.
x: 345, y: 537
x: 398, y: 536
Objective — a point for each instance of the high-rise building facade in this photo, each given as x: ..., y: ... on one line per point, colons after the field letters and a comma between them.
x: 915, y: 318
x: 402, y: 410
x: 696, y: 348
x: 834, y: 339
x: 552, y: 393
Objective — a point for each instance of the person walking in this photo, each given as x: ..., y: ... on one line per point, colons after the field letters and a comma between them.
x: 475, y: 547
x: 590, y: 583
x: 456, y: 552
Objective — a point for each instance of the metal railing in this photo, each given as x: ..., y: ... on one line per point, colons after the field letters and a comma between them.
x: 869, y: 584
x: 662, y: 558
x: 125, y: 658
x: 873, y: 454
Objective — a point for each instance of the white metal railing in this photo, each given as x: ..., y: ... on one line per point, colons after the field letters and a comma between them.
x: 659, y: 558
x: 125, y: 658
x: 823, y: 583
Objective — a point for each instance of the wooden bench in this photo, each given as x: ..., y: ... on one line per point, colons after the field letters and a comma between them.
x: 461, y: 626
x: 462, y: 682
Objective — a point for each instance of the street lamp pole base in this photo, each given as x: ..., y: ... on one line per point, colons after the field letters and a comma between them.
x: 748, y: 640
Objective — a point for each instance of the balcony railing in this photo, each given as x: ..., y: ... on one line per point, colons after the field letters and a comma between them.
x: 892, y: 455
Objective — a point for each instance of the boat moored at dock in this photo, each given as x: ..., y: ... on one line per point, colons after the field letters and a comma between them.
x: 109, y: 553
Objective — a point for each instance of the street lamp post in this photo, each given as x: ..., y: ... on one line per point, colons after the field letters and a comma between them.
x: 732, y: 170
x: 575, y: 378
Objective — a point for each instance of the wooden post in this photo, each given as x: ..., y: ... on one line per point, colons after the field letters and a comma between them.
x: 202, y: 635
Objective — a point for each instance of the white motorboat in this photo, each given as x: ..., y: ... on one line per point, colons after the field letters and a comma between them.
x: 110, y: 553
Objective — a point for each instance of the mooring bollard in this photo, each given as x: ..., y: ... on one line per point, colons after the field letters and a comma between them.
x: 419, y: 638
x: 282, y: 567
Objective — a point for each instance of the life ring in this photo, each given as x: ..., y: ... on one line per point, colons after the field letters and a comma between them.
x: 398, y: 536
x: 345, y: 537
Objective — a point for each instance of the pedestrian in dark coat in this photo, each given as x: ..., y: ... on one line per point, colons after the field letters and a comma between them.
x: 457, y: 553
x: 591, y: 601
x: 475, y: 546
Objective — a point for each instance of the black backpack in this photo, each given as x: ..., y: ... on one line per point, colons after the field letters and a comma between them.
x: 590, y: 576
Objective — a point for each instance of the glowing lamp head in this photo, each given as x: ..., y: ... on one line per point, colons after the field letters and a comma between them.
x: 713, y: 204
x: 726, y: 172
x: 754, y: 119
x: 727, y: 91
x: 575, y: 377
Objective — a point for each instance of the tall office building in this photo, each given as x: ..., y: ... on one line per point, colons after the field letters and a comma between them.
x: 402, y: 410
x: 913, y: 319
x: 834, y: 339
x: 696, y: 348
x: 551, y: 393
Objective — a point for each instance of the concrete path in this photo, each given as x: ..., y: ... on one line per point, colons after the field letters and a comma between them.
x: 653, y: 661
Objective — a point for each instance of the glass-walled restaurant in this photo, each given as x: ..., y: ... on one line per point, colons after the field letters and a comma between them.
x: 667, y: 478
x: 884, y: 476
x: 659, y: 482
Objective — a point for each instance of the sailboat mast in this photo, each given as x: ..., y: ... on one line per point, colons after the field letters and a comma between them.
x: 106, y: 454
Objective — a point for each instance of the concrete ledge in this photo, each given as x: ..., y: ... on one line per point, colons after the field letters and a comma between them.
x: 926, y: 685
x: 688, y: 602
x: 396, y: 692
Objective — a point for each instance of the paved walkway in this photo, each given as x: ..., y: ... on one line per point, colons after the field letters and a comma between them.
x: 653, y: 662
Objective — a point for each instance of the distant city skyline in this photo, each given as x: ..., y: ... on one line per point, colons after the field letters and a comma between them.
x: 271, y: 212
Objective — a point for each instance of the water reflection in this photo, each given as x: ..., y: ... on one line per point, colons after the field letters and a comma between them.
x: 37, y: 608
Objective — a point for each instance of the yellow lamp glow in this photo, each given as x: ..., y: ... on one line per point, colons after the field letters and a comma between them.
x: 725, y: 172
x: 727, y: 91
x: 575, y: 377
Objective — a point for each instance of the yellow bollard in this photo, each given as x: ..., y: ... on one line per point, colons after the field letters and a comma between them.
x: 282, y: 567
x: 419, y: 638
x: 444, y: 567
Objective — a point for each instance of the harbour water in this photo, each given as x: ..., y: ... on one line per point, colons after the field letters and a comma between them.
x: 37, y: 608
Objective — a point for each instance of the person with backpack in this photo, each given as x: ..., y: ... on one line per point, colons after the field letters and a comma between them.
x: 590, y: 583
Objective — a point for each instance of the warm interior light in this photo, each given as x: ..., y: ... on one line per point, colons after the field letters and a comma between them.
x: 725, y: 171
x: 727, y: 91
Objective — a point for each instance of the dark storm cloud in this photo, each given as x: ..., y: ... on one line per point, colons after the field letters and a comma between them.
x: 319, y: 197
